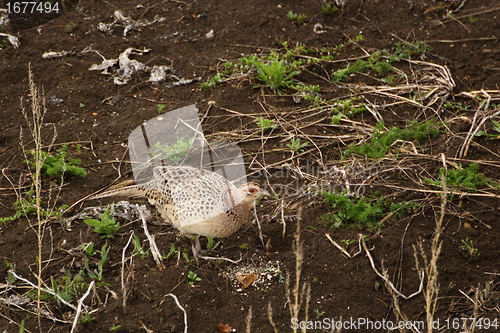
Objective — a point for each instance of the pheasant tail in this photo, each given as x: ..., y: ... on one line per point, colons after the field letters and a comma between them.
x: 127, y: 191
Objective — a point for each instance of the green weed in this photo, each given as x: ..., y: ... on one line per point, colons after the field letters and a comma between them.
x: 160, y: 108
x: 213, y: 81
x: 58, y: 164
x: 348, y: 241
x: 68, y: 286
x: 456, y: 106
x: 381, y: 141
x: 319, y: 313
x: 381, y: 66
x: 277, y: 70
x: 495, y: 126
x: 266, y: 124
x: 27, y: 206
x: 346, y: 108
x: 328, y: 9
x: 107, y: 225
x: 405, y: 50
x: 211, y: 244
x: 11, y: 279
x: 87, y: 319
x: 468, y: 250
x: 177, y: 252
x: 193, y: 278
x: 381, y: 61
x: 173, y: 153
x: 361, y: 212
x: 296, y: 18
x: 473, y: 19
x: 469, y: 178
x: 115, y: 328
x: 276, y: 75
x: 4, y: 42
x: 338, y: 47
x: 96, y: 273
x: 70, y: 27
x: 296, y: 146
x: 173, y: 251
x: 138, y: 250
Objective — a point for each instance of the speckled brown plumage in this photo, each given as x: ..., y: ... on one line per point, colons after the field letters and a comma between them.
x: 195, y: 201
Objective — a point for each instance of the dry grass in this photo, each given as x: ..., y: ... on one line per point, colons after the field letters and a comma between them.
x: 35, y: 124
x: 298, y: 293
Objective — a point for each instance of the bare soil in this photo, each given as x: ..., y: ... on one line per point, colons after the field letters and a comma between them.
x: 86, y: 108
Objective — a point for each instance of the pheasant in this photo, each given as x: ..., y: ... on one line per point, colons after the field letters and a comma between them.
x: 195, y: 201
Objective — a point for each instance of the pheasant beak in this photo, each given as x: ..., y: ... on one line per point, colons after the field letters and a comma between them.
x: 264, y: 193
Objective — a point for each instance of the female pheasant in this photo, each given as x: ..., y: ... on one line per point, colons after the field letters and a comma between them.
x: 195, y: 201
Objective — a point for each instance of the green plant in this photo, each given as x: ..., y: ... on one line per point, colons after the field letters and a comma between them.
x: 296, y: 18
x: 211, y: 244
x: 362, y: 212
x: 68, y: 286
x: 139, y: 251
x: 348, y: 241
x: 319, y: 313
x: 88, y: 249
x: 213, y: 81
x: 381, y: 61
x: 468, y: 250
x: 277, y: 69
x: 243, y: 246
x: 347, y: 108
x: 276, y: 75
x: 468, y: 178
x: 495, y: 126
x: 266, y: 124
x: 405, y: 50
x: 87, y: 319
x: 70, y: 27
x: 381, y: 141
x: 96, y: 273
x: 160, y: 108
x: 4, y: 42
x: 193, y: 278
x: 27, y: 206
x: 173, y: 153
x: 375, y: 62
x: 177, y: 252
x: 11, y: 279
x: 58, y: 164
x: 456, y: 106
x: 296, y: 146
x: 115, y: 328
x: 472, y: 19
x: 107, y: 225
x: 328, y: 9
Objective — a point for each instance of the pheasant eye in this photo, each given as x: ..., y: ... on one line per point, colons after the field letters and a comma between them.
x: 252, y: 190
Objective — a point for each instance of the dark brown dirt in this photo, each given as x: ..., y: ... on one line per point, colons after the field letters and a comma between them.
x: 86, y: 108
